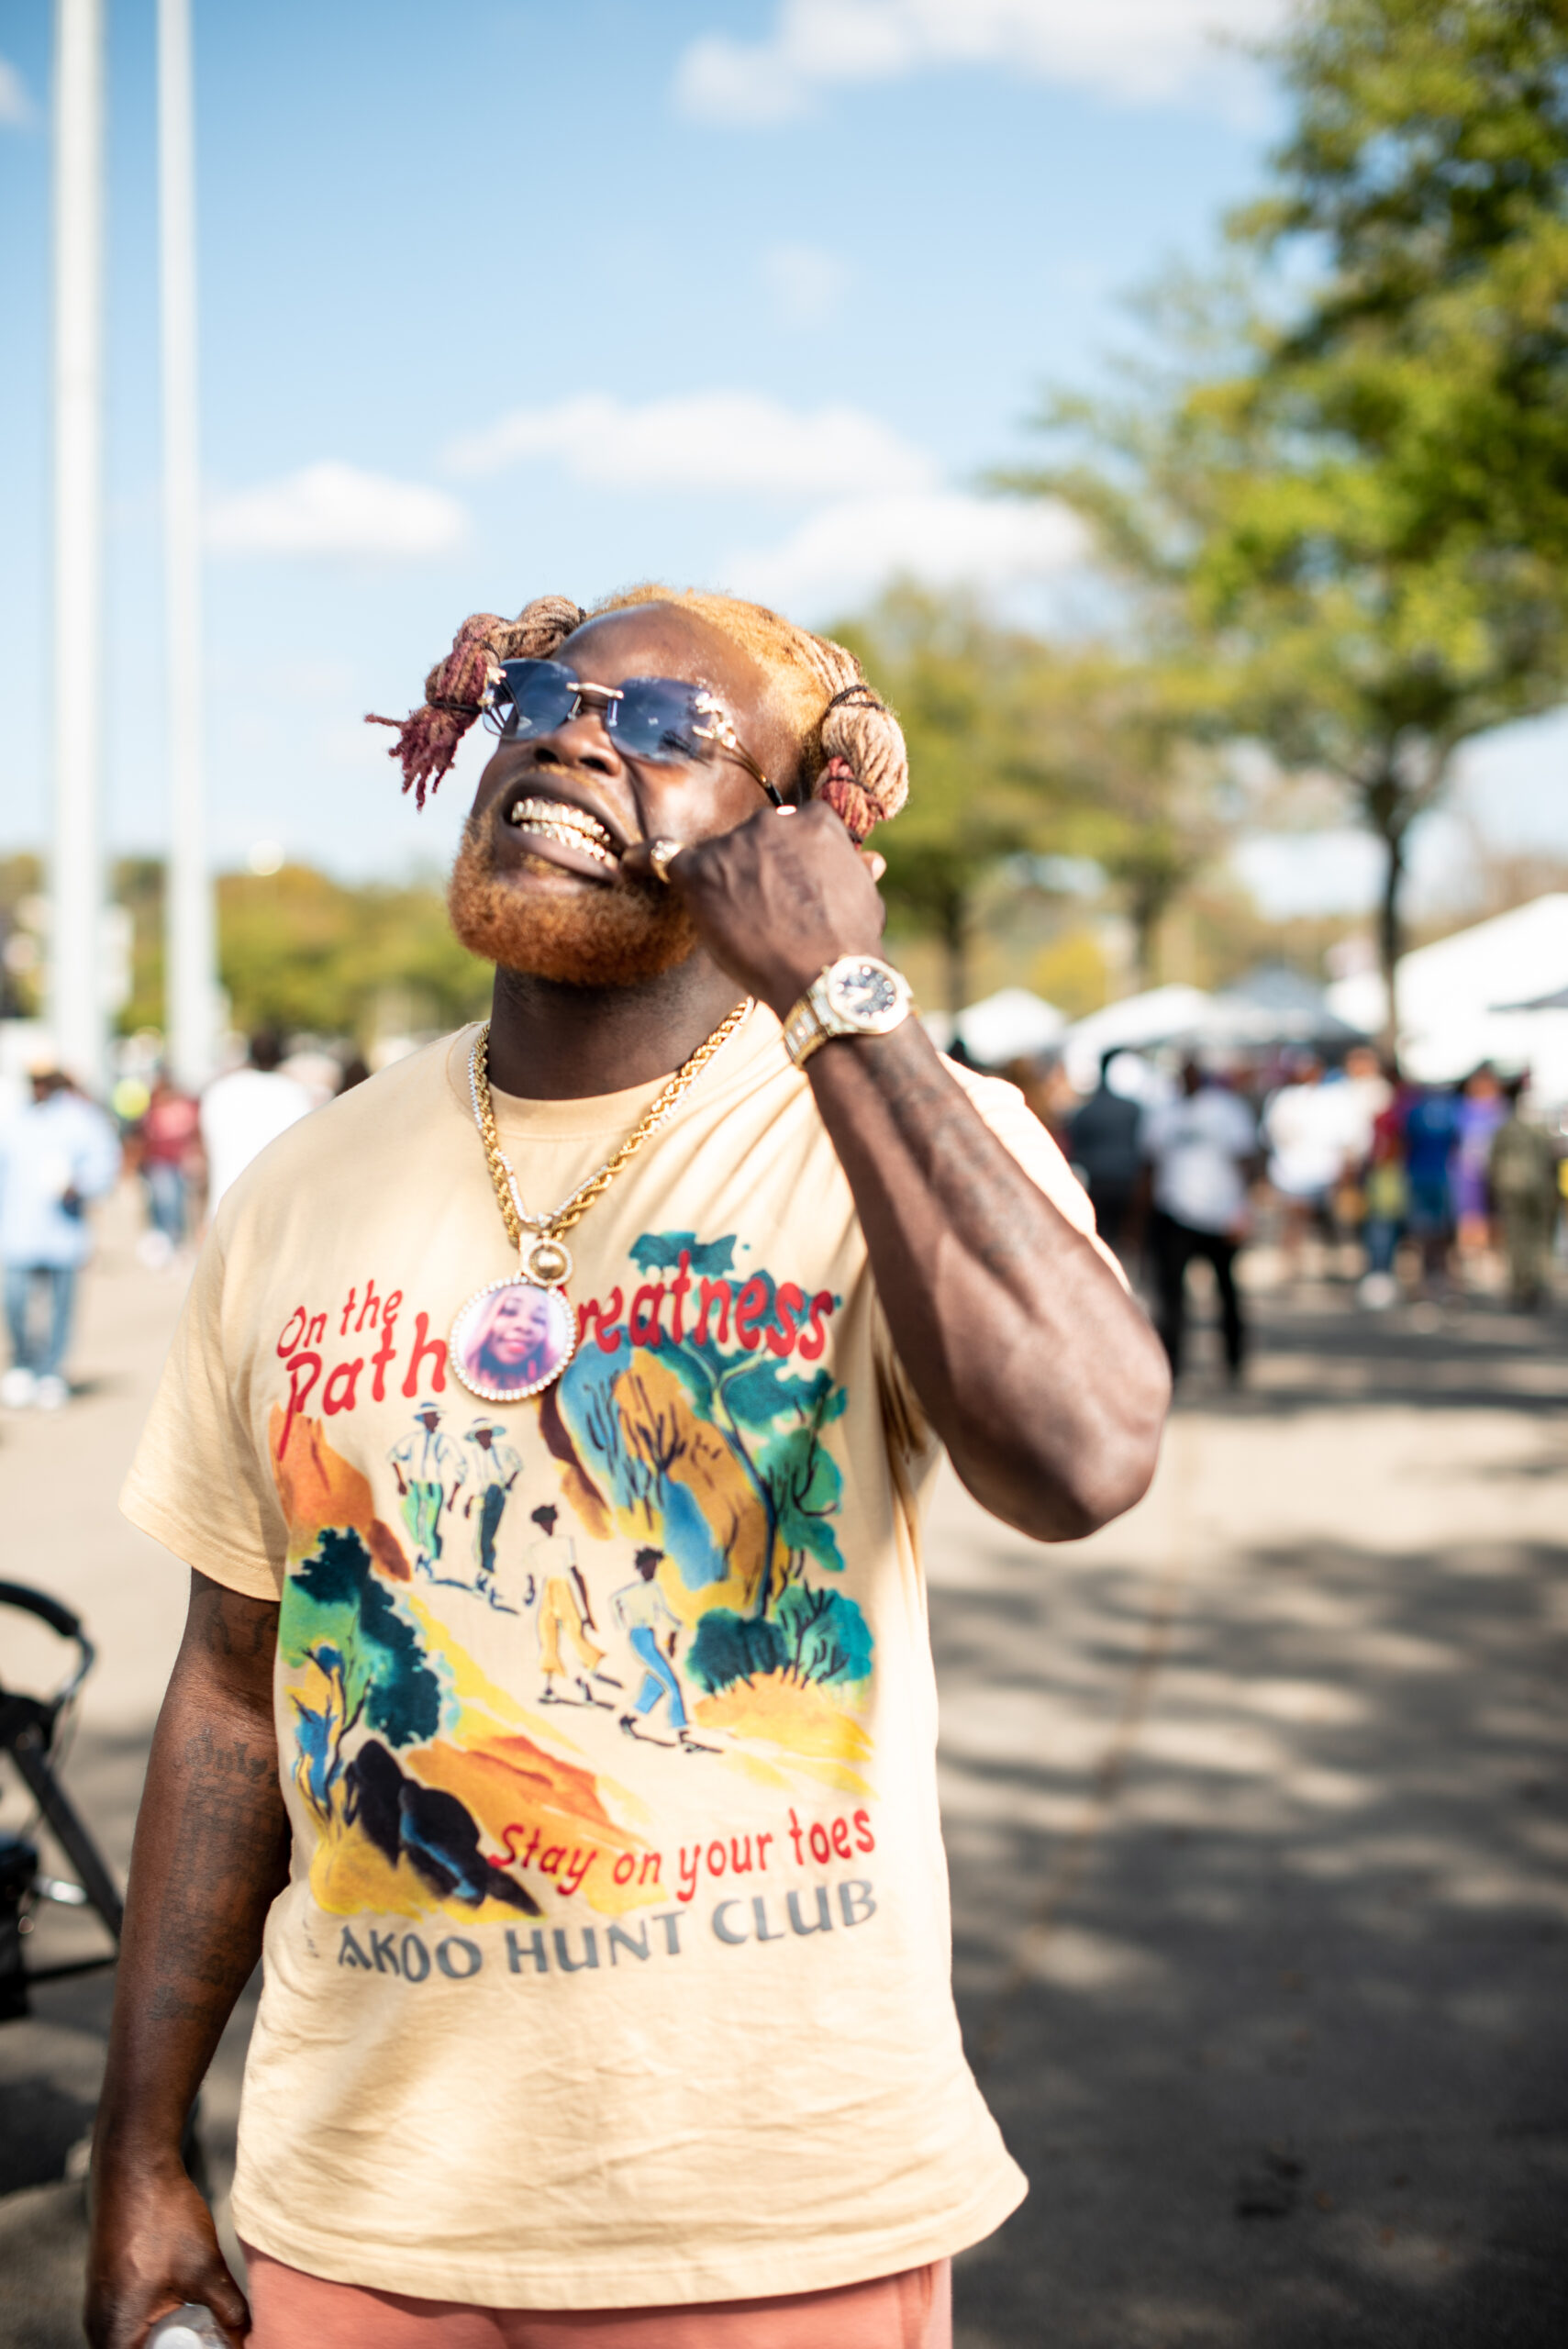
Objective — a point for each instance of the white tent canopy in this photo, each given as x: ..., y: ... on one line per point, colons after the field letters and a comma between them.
x: 1012, y: 1025
x: 1450, y: 998
x: 1138, y: 1021
x: 1273, y: 1006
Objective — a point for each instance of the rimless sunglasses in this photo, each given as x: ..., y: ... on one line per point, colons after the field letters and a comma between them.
x: 661, y: 719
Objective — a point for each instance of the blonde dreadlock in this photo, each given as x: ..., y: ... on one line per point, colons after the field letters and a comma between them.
x: 851, y: 745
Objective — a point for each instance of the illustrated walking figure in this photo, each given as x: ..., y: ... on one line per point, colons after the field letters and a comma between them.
x: 423, y: 1462
x: 555, y: 1579
x: 494, y: 1467
x: 643, y: 1612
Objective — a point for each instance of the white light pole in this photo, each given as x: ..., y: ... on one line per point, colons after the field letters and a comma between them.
x: 76, y: 1007
x: 190, y: 987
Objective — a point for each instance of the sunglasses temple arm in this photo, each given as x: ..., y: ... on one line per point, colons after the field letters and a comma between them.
x: 753, y: 769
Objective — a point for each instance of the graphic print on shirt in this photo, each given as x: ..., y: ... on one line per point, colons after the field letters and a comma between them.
x: 607, y: 1620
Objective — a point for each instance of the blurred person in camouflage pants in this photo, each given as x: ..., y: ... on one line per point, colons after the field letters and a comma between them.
x: 1523, y: 1177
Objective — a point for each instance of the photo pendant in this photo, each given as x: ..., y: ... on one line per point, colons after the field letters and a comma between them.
x: 514, y: 1338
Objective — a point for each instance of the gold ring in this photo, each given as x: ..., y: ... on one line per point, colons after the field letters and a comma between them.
x: 660, y: 855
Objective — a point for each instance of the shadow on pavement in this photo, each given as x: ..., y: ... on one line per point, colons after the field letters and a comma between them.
x: 1263, y: 1971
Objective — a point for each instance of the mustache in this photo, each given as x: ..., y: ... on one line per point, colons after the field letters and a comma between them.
x: 615, y: 936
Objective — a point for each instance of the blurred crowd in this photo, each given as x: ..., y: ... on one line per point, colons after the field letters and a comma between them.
x: 60, y: 1151
x: 1347, y: 1172
x: 1343, y: 1170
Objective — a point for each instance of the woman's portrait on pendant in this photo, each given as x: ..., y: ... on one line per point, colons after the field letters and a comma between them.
x: 513, y: 1340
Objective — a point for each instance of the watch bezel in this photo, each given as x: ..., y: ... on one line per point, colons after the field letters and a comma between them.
x: 861, y: 1023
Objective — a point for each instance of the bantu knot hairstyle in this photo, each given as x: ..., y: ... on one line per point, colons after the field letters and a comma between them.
x: 851, y: 744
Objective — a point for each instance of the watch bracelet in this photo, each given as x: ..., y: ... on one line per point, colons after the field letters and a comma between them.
x: 806, y: 1028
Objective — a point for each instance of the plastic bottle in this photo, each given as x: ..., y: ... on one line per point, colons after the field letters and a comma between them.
x: 191, y: 2327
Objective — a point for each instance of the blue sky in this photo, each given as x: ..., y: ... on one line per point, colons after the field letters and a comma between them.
x: 520, y: 298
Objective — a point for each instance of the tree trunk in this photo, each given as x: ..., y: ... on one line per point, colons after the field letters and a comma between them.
x: 1391, y: 801
x: 1146, y: 917
x: 955, y: 947
x: 1390, y: 938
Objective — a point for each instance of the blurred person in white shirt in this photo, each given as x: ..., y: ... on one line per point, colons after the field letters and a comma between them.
x: 57, y: 1154
x: 242, y: 1112
x: 1200, y: 1148
x: 1367, y: 1094
x: 1318, y: 1134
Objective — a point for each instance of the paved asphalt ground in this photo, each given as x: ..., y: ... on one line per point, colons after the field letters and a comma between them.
x: 1258, y: 1813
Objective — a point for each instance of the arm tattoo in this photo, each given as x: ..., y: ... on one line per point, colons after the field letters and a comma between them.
x: 995, y: 1207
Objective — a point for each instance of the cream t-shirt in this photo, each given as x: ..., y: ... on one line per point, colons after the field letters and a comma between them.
x: 613, y: 1967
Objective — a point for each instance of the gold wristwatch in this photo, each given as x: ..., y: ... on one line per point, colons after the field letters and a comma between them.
x: 856, y: 996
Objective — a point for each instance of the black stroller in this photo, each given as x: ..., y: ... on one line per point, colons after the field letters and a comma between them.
x: 29, y: 1733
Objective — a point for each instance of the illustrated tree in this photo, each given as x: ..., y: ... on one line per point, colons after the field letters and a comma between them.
x: 339, y: 1616
x: 770, y: 1420
x: 1342, y: 499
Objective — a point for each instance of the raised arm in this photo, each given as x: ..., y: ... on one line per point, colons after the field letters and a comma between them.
x: 1034, y: 1365
x: 211, y: 1854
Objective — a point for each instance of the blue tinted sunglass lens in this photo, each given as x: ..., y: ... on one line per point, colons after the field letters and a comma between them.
x: 539, y: 696
x: 658, y: 719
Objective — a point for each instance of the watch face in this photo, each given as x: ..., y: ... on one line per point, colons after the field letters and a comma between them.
x: 865, y: 992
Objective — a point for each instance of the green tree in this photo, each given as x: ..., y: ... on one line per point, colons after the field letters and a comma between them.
x: 1345, y: 498
x: 21, y: 959
x: 982, y: 784
x: 300, y: 952
x: 1143, y: 792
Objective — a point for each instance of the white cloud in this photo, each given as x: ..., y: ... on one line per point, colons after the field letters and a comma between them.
x: 16, y: 106
x: 806, y: 285
x: 839, y: 558
x: 331, y: 511
x: 1136, y: 51
x: 718, y: 442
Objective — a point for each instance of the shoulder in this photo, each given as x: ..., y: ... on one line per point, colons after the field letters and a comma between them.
x: 350, y: 1136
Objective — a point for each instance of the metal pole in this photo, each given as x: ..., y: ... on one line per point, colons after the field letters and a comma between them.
x: 191, y: 984
x: 76, y: 1006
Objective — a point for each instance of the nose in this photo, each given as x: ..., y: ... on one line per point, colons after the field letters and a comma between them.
x: 581, y: 742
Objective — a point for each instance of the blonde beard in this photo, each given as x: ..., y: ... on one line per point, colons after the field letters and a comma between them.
x: 602, y: 937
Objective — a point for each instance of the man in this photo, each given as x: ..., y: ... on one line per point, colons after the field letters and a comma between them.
x: 170, y: 1138
x: 245, y: 1111
x: 494, y: 1467
x: 1103, y: 1144
x: 1200, y: 1148
x: 796, y: 1273
x: 1523, y: 1173
x: 430, y: 1472
x: 1312, y: 1128
x: 57, y: 1155
x: 562, y: 1610
x: 1431, y: 1131
x: 644, y: 1613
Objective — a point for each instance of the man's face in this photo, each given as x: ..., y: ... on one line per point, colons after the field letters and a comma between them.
x: 520, y: 1328
x: 534, y: 903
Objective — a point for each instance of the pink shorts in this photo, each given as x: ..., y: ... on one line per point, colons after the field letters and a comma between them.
x: 292, y: 2311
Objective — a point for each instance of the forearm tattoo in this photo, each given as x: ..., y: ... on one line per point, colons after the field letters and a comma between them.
x: 996, y: 1210
x: 223, y: 1838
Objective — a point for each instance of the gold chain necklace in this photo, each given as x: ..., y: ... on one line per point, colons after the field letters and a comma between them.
x: 515, y: 1337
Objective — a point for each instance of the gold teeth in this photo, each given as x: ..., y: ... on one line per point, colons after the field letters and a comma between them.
x: 572, y: 826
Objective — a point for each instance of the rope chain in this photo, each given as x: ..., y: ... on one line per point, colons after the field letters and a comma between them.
x: 573, y: 1210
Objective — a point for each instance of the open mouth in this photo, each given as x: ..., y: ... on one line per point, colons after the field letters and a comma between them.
x: 551, y: 819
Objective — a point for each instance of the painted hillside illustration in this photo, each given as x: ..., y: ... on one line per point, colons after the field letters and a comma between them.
x: 703, y: 1451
